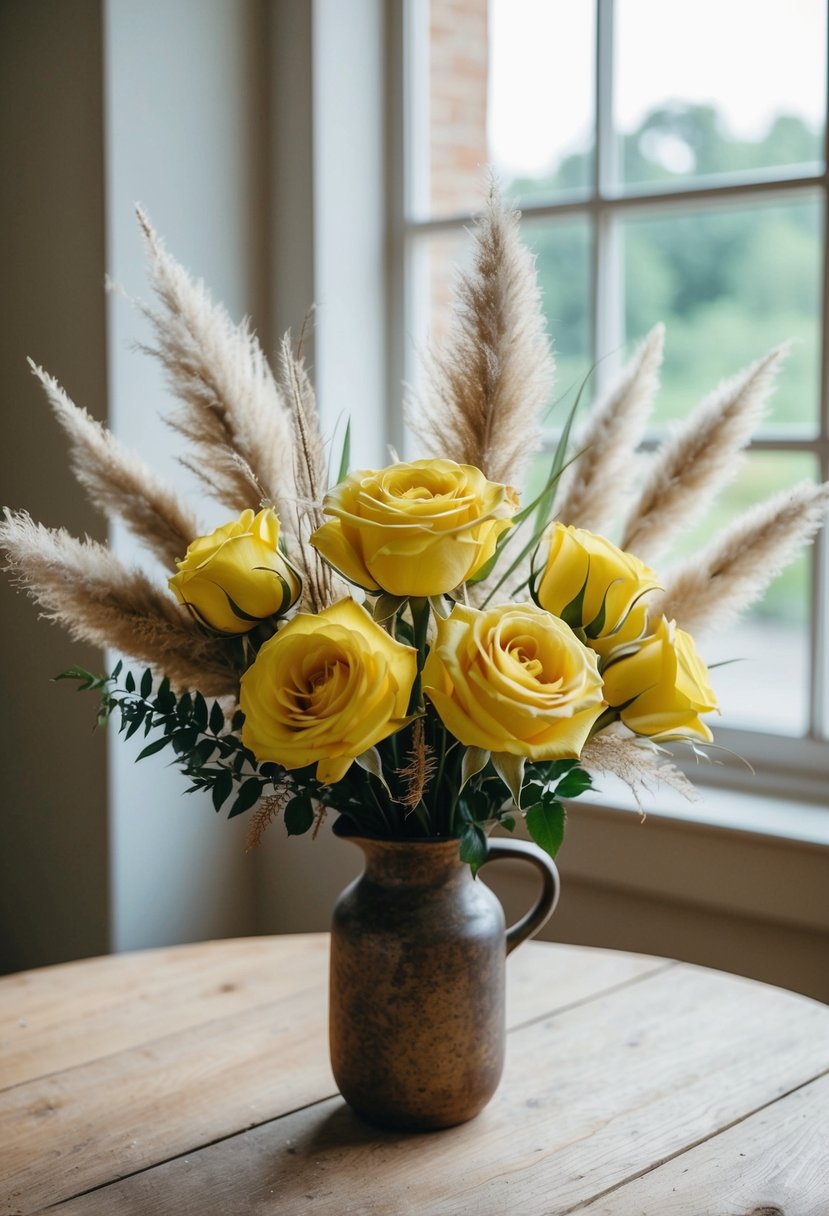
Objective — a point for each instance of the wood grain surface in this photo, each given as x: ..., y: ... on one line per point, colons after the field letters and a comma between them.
x: 196, y: 1080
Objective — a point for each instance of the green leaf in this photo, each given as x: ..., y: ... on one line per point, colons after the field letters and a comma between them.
x: 200, y: 712
x: 185, y: 740
x: 345, y: 456
x: 573, y: 613
x: 545, y: 824
x: 508, y: 822
x: 511, y: 771
x: 129, y: 682
x: 134, y: 725
x: 544, y: 502
x: 474, y: 759
x: 146, y: 684
x: 298, y: 815
x: 574, y: 783
x: 249, y: 792
x: 557, y: 768
x: 152, y: 748
x: 531, y: 793
x: 217, y: 718
x: 477, y: 804
x: 438, y: 603
x: 385, y: 606
x: 165, y: 701
x: 203, y: 750
x: 222, y: 787
x: 80, y: 673
x: 370, y: 761
x: 473, y: 846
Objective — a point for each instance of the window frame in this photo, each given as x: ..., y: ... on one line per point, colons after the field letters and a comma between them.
x: 793, y: 766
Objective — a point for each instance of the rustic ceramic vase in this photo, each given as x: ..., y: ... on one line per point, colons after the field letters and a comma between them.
x: 418, y: 948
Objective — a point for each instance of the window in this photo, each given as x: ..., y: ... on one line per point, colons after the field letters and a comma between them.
x: 669, y: 163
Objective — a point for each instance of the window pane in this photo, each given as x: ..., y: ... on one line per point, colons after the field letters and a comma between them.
x: 768, y: 689
x: 542, y: 73
x: 501, y: 83
x: 562, y: 250
x: 715, y: 88
x: 730, y: 283
x: 432, y: 269
x: 436, y: 261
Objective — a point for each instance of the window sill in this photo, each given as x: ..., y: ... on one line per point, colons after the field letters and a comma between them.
x: 760, y: 814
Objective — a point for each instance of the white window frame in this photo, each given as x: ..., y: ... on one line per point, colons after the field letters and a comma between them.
x: 787, y: 766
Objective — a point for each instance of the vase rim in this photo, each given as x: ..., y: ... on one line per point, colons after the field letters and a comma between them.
x: 342, y: 829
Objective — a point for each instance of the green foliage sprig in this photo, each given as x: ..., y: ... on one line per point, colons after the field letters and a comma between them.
x: 207, y: 748
x: 206, y: 745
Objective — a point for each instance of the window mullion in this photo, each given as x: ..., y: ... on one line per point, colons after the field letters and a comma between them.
x: 606, y: 270
x: 820, y: 551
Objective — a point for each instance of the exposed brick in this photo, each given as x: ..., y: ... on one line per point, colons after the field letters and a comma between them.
x: 458, y: 77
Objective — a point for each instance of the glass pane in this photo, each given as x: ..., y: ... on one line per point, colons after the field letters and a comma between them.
x: 718, y: 88
x: 541, y: 101
x: 768, y: 688
x: 501, y: 83
x: 562, y: 251
x: 433, y: 266
x: 730, y: 283
x: 436, y: 261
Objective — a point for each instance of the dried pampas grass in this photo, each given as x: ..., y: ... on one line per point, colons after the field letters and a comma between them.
x: 486, y: 387
x: 231, y: 409
x: 699, y: 459
x: 118, y: 482
x: 310, y: 479
x: 638, y: 763
x: 97, y: 599
x: 419, y: 769
x: 592, y: 490
x: 712, y: 589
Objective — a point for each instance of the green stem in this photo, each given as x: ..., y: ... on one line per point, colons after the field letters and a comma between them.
x: 420, y: 610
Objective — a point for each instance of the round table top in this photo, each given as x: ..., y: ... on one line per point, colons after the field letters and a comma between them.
x: 195, y: 1080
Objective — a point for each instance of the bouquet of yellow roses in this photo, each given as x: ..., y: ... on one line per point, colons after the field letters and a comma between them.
x: 411, y: 648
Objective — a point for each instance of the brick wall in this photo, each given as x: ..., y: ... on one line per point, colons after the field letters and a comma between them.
x: 458, y: 78
x: 459, y: 64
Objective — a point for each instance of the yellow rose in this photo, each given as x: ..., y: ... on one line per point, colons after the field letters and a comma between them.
x: 326, y: 688
x: 594, y: 586
x: 414, y: 529
x: 513, y: 679
x: 662, y: 688
x: 236, y: 577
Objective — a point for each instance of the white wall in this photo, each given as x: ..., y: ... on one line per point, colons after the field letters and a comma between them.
x: 184, y: 129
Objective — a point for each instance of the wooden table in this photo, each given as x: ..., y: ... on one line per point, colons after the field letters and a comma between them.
x: 195, y: 1080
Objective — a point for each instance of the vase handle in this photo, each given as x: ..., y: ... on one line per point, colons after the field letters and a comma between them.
x: 540, y: 913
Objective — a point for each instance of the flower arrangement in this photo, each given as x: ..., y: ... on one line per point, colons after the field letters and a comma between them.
x: 411, y: 647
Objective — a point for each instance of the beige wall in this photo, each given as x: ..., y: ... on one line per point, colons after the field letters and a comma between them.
x: 54, y: 835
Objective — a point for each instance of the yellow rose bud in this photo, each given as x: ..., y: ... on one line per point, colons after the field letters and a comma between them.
x: 513, y: 679
x: 236, y: 577
x: 661, y: 689
x: 326, y: 688
x: 414, y: 529
x: 594, y: 586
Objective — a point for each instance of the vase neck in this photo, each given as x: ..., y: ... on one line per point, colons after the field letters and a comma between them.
x: 412, y: 863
